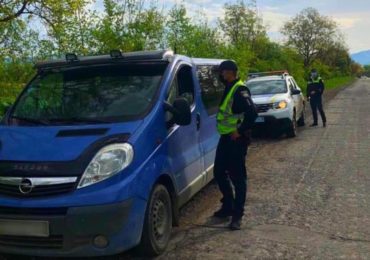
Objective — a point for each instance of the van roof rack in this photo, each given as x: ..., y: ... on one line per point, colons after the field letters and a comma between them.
x: 72, y: 59
x: 282, y: 73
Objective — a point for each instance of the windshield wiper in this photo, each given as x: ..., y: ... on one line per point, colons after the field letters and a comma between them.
x: 32, y: 120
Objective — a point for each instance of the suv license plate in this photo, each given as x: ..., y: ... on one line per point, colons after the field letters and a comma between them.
x: 260, y: 119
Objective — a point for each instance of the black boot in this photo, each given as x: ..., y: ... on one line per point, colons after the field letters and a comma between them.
x: 314, y: 124
x: 236, y: 223
x: 223, y: 213
x: 324, y: 124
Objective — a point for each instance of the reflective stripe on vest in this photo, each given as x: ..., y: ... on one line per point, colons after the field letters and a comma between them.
x: 316, y: 80
x: 227, y: 122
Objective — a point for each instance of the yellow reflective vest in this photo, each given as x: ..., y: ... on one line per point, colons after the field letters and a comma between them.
x: 227, y: 122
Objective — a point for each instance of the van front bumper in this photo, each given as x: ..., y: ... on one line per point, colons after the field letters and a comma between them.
x: 78, y: 231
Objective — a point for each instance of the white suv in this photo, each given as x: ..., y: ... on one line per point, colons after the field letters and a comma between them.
x: 279, y: 100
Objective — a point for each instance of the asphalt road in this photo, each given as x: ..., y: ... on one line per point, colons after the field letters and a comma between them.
x: 308, y: 197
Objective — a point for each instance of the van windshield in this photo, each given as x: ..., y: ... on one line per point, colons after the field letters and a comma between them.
x: 267, y: 87
x: 95, y: 94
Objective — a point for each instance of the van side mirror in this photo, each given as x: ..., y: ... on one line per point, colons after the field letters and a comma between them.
x: 180, y: 110
x: 296, y: 92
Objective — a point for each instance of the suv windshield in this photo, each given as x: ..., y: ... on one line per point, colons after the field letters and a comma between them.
x: 267, y: 87
x: 98, y: 94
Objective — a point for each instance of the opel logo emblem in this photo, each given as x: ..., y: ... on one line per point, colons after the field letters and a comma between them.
x: 26, y: 186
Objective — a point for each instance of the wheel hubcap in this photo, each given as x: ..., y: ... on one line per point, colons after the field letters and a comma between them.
x: 160, y: 219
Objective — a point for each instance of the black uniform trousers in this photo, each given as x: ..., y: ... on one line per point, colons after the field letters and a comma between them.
x: 230, y: 166
x: 316, y: 104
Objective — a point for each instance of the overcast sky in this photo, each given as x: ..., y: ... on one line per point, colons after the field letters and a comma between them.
x: 353, y: 16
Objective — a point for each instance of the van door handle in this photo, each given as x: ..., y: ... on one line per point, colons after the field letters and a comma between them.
x: 198, y: 121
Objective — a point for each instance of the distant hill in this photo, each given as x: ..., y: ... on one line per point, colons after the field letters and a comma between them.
x: 362, y: 57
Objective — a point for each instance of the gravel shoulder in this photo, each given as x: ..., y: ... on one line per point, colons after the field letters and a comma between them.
x: 308, y: 197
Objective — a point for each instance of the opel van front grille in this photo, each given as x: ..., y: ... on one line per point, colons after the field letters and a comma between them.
x: 36, y: 187
x: 54, y: 242
x: 33, y: 211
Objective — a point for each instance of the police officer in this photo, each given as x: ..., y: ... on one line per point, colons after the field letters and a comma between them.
x: 235, y: 119
x: 315, y: 89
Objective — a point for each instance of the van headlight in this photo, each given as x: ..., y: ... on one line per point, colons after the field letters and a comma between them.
x: 109, y: 161
x: 280, y: 105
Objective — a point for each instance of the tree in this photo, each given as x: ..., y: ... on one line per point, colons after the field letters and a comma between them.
x: 178, y: 28
x: 366, y: 71
x: 191, y: 37
x: 73, y: 32
x: 357, y: 69
x: 241, y: 23
x: 310, y: 32
x: 68, y: 23
x: 43, y: 9
x: 338, y: 58
x: 130, y: 26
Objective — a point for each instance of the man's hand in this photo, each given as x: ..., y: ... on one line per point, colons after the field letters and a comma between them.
x: 235, y: 135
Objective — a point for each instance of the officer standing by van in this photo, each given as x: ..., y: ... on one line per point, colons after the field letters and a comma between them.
x: 315, y: 89
x: 235, y: 119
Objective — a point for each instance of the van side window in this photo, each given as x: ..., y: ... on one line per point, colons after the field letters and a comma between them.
x: 181, y: 86
x: 212, y: 88
x: 186, y: 84
x: 172, y: 95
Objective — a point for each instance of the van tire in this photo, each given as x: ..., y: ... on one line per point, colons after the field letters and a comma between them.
x: 158, y: 223
x: 292, y: 130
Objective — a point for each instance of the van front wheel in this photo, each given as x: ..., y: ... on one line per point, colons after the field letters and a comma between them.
x: 158, y: 223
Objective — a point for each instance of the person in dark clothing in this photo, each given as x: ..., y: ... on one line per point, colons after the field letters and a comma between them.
x: 315, y: 89
x: 235, y: 119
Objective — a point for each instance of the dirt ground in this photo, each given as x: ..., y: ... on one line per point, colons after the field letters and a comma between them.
x: 308, y: 197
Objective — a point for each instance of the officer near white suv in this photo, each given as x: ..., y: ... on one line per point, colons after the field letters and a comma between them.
x: 235, y: 119
x: 315, y: 89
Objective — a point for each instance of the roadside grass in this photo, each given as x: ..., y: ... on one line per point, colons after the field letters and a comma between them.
x: 338, y: 82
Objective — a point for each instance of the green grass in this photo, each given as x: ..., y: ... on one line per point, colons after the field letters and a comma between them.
x: 338, y: 82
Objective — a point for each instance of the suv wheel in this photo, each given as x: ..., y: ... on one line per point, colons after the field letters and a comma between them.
x: 158, y: 223
x: 292, y: 131
x: 301, y: 120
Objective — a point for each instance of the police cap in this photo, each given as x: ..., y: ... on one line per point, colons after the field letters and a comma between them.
x: 228, y: 65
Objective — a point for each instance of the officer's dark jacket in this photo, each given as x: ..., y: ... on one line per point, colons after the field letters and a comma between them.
x: 318, y: 87
x: 242, y: 103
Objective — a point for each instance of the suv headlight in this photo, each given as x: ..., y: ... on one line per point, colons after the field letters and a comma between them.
x: 280, y: 105
x: 109, y: 161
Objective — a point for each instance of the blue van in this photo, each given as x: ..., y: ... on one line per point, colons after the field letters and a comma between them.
x: 98, y: 153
